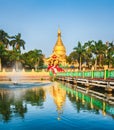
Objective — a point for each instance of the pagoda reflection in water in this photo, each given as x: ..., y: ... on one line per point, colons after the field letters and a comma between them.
x: 59, y: 96
x: 15, y: 102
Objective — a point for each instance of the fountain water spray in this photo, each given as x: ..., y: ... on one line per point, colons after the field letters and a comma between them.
x: 16, y: 73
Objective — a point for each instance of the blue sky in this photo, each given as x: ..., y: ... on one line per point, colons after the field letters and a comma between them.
x: 38, y: 21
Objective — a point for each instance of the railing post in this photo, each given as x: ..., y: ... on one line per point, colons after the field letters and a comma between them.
x: 4, y: 70
x: 105, y: 71
x: 83, y: 72
x: 92, y: 71
x: 32, y: 70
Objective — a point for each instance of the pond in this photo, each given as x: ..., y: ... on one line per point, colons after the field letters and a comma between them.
x: 52, y: 106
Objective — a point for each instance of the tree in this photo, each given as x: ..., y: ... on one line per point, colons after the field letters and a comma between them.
x: 2, y: 52
x: 72, y: 57
x: 88, y: 53
x: 17, y: 42
x: 109, y: 54
x: 4, y: 38
x: 15, y: 59
x: 3, y: 45
x: 99, y: 49
x: 33, y: 58
x: 80, y: 52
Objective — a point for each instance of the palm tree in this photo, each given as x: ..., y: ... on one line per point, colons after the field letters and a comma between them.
x: 4, y: 38
x: 80, y: 50
x: 88, y: 54
x: 72, y: 58
x: 109, y: 55
x: 33, y: 58
x: 99, y: 49
x: 2, y: 51
x: 17, y: 42
x: 38, y: 58
x: 15, y: 59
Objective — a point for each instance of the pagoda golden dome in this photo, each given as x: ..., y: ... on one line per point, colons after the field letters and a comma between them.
x: 58, y: 55
x: 59, y: 47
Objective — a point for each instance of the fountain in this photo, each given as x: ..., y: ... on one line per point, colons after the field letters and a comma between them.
x: 16, y: 73
x: 19, y: 78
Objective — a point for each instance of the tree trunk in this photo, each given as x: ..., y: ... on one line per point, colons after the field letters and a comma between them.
x: 100, y: 59
x: 80, y: 63
x: 0, y: 65
x: 16, y: 65
x: 96, y: 64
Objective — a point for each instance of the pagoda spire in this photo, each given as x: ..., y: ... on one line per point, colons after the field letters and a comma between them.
x: 59, y: 32
x: 59, y: 47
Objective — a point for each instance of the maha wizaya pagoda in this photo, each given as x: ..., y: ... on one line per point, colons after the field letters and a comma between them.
x: 59, y: 49
x: 58, y: 56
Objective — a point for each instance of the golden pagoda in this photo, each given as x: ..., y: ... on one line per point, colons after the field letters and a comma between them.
x: 59, y: 52
x: 59, y: 47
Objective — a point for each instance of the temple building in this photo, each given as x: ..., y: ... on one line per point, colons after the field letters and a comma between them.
x: 59, y: 47
x: 58, y: 55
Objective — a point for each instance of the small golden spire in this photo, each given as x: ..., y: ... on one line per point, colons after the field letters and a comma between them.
x: 59, y: 32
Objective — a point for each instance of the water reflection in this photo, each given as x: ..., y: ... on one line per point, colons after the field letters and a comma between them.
x: 93, y: 102
x: 13, y: 103
x: 59, y: 96
x: 60, y: 100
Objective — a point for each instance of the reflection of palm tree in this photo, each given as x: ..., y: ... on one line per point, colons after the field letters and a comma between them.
x: 20, y: 108
x: 35, y: 96
x: 10, y: 106
x: 5, y: 109
x: 73, y: 99
x: 88, y: 104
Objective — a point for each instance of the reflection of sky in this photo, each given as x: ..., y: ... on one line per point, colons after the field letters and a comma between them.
x: 46, y: 116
